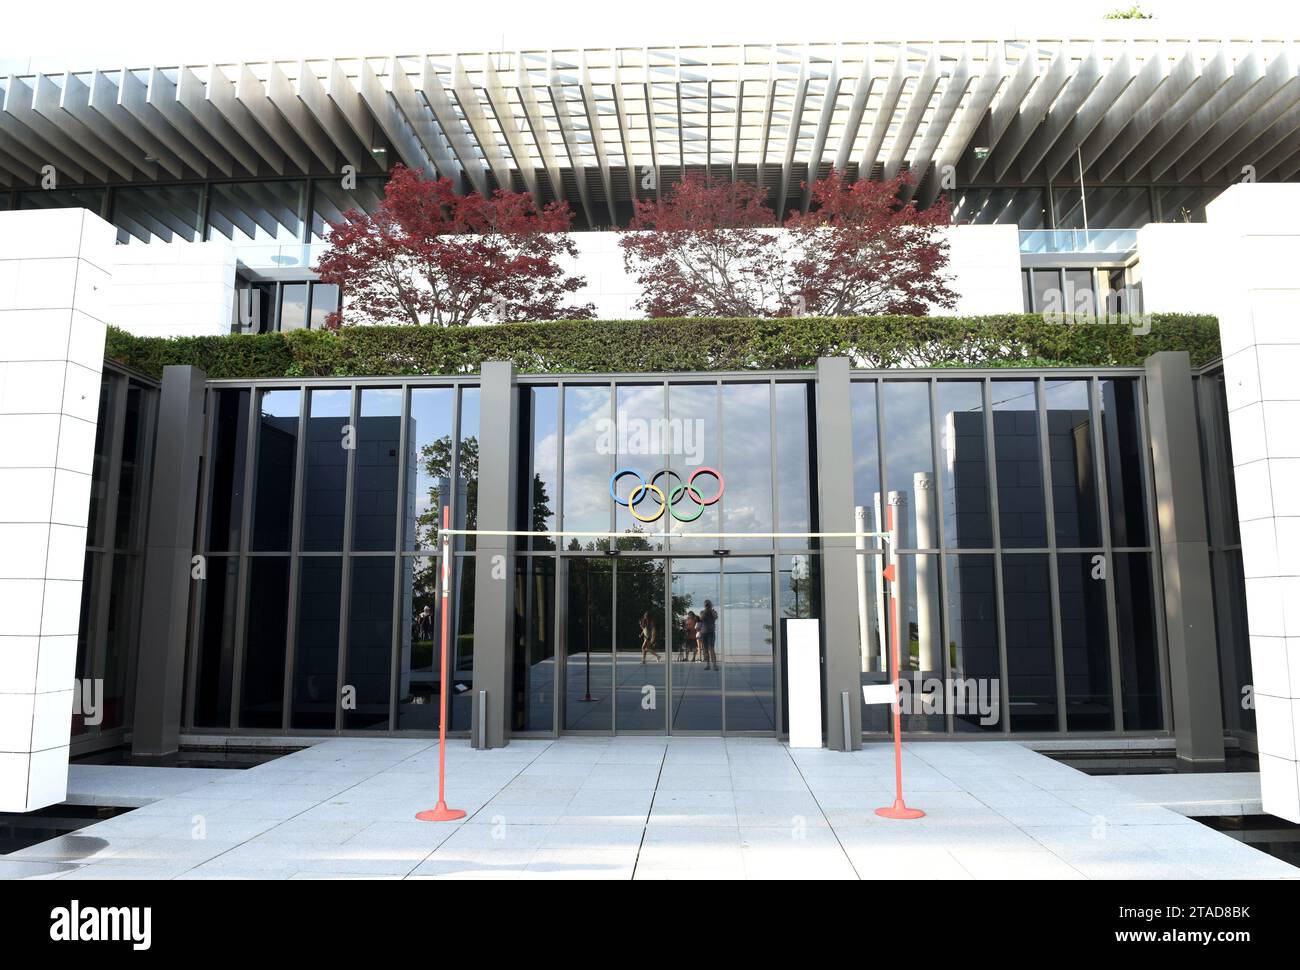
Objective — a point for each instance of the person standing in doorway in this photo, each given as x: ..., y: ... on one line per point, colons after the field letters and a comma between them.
x: 708, y: 635
x: 649, y: 636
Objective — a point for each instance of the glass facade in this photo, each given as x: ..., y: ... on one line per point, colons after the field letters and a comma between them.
x: 112, y: 583
x: 1026, y: 564
x: 324, y: 615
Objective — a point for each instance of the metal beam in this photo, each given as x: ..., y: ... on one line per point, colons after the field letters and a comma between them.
x: 1069, y: 141
x: 1115, y: 117
x: 444, y: 113
x: 918, y: 104
x: 283, y: 100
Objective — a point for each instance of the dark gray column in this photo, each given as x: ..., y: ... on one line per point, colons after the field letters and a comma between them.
x: 494, y: 570
x: 169, y: 546
x: 1184, y: 558
x: 841, y: 667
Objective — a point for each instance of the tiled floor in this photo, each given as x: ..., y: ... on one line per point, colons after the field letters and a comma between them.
x: 646, y: 809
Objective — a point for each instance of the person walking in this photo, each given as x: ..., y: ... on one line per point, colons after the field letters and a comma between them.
x: 649, y: 636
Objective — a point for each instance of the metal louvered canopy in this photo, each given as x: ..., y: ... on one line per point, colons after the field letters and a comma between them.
x: 599, y: 128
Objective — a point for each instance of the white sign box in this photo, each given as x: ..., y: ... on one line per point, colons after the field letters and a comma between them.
x: 803, y: 667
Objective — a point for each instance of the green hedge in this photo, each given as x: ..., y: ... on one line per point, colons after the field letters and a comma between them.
x: 635, y: 346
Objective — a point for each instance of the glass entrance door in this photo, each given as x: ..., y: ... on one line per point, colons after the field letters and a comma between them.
x: 678, y: 646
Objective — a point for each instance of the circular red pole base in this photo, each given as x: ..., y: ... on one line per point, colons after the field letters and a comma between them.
x: 900, y: 810
x: 440, y: 813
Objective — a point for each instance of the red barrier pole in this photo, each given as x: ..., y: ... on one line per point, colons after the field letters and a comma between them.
x: 440, y: 812
x: 899, y: 809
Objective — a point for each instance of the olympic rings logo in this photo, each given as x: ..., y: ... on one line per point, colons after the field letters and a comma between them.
x: 670, y: 500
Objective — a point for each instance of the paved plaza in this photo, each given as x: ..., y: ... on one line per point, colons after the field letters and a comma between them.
x: 643, y: 808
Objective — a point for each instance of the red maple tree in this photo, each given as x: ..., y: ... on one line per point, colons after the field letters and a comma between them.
x: 859, y: 251
x: 711, y: 249
x: 430, y: 256
x: 705, y: 249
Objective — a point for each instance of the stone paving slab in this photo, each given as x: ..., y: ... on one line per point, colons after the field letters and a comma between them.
x: 645, y: 808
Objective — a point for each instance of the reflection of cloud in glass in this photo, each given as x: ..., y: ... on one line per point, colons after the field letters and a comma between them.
x: 586, y: 471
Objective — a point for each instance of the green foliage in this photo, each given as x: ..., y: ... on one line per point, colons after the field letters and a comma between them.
x: 1134, y: 12
x: 637, y: 346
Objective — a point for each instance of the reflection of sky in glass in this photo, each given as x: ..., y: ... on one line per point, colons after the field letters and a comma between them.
x: 907, y: 443
x: 746, y: 422
x: 962, y: 464
x: 280, y: 404
x: 381, y: 402
x: 866, y: 457
x: 643, y: 405
x: 546, y: 448
x: 792, y: 459
x: 697, y: 403
x: 586, y: 470
x: 430, y: 420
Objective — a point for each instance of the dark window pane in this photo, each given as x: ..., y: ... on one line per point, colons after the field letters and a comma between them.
x: 92, y: 199
x: 419, y: 668
x: 216, y: 643
x: 1080, y: 294
x: 429, y: 457
x: 325, y: 477
x: 1019, y: 206
x: 461, y: 651
x: 1138, y: 651
x: 794, y: 480
x: 265, y: 634
x: 1027, y: 291
x: 963, y: 467
x: 374, y: 498
x: 543, y: 475
x: 1230, y: 619
x: 227, y: 463
x: 921, y: 634
x: 163, y: 213
x: 588, y: 705
x: 1074, y: 475
x: 1031, y: 653
x: 99, y: 470
x: 1122, y: 437
x: 1021, y: 511
x: 909, y: 466
x: 1085, y: 644
x: 370, y: 642
x: 277, y: 445
x: 316, y: 655
x: 133, y: 482
x: 973, y: 636
x: 533, y: 701
x: 258, y: 212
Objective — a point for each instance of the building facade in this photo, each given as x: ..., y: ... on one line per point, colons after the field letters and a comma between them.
x: 1101, y: 553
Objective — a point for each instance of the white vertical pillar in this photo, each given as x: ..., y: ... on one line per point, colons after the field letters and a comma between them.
x: 867, y: 642
x: 927, y: 582
x: 1256, y: 293
x: 53, y: 287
